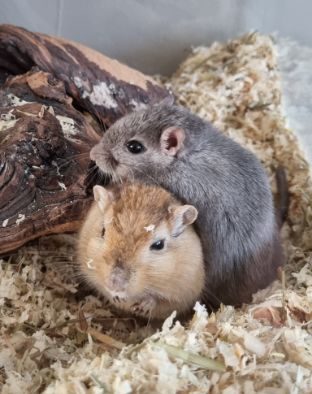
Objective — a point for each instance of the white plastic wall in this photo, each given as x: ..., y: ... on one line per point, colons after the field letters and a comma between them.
x: 153, y: 36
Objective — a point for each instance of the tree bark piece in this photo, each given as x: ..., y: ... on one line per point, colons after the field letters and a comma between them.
x: 44, y: 155
x: 94, y: 81
x: 45, y: 136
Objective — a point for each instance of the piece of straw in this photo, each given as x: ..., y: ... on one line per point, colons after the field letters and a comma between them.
x: 106, y: 339
x: 203, y: 362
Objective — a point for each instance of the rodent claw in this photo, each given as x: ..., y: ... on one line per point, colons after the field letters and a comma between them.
x: 143, y: 307
x: 117, y: 299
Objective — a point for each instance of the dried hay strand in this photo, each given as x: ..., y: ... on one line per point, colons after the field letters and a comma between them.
x: 54, y: 341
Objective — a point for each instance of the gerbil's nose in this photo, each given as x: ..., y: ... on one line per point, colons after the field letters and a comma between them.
x: 103, y: 157
x: 95, y: 151
x: 119, y: 278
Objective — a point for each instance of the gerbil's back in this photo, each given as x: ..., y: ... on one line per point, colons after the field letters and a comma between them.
x: 229, y: 187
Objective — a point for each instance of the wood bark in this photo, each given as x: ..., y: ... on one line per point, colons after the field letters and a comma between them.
x: 48, y: 87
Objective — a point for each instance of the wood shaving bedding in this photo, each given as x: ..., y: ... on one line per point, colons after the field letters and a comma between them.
x: 52, y: 339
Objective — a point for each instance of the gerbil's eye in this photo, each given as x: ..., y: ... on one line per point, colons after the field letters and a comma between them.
x: 158, y: 245
x: 103, y: 232
x: 135, y: 147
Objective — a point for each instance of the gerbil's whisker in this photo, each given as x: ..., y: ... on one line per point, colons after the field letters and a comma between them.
x: 69, y: 263
x: 96, y: 176
x: 92, y: 168
x: 60, y: 162
x: 63, y: 265
x: 47, y: 253
x: 209, y: 293
x: 149, y: 318
x: 91, y: 176
x: 77, y: 156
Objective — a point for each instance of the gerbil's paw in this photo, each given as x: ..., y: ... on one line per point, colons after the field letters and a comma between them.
x: 116, y: 300
x: 144, y: 307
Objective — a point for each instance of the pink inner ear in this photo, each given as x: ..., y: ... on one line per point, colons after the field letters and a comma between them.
x: 172, y: 140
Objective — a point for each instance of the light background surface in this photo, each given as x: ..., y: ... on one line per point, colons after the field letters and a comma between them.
x: 154, y: 36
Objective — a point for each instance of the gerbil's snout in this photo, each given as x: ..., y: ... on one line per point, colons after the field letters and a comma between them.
x: 103, y: 158
x: 119, y: 278
x: 96, y: 152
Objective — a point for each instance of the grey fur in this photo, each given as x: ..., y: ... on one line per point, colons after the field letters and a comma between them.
x: 224, y: 181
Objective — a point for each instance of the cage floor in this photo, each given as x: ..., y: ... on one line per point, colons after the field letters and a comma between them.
x: 56, y: 339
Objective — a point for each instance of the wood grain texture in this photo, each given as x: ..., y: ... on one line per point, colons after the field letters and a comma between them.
x: 48, y: 87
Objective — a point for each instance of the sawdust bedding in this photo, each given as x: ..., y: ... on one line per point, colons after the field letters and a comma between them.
x: 55, y: 341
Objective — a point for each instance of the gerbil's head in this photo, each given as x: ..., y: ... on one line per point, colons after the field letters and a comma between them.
x: 139, y: 242
x: 144, y: 141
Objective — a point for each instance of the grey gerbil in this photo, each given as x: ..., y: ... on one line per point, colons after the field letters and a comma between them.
x: 169, y: 146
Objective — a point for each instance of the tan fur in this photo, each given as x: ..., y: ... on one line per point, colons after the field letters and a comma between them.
x: 153, y: 282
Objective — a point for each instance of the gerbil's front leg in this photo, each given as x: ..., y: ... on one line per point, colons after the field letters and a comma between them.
x: 144, y: 307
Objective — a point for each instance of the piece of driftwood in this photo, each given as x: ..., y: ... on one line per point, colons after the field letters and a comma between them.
x: 46, y: 86
x: 112, y: 88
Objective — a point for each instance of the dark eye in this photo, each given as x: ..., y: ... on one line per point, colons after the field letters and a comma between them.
x: 135, y: 147
x: 103, y: 232
x: 158, y: 245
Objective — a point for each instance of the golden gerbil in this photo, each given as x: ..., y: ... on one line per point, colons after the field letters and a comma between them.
x: 137, y: 246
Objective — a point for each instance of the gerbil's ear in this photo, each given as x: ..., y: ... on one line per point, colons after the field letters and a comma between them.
x: 171, y: 140
x: 102, y: 196
x: 169, y: 100
x: 181, y: 217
